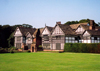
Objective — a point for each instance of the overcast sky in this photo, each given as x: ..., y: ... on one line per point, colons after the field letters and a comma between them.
x: 39, y: 12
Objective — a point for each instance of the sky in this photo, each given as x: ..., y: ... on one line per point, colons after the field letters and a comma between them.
x: 40, y: 12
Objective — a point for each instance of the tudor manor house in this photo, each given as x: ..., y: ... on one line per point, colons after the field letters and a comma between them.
x: 54, y: 38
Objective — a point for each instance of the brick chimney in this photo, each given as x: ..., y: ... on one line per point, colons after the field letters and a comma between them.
x: 92, y: 26
x: 58, y: 22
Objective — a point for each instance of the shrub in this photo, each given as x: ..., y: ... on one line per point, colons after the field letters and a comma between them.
x: 40, y: 46
x: 60, y: 51
x: 28, y: 51
x: 3, y: 50
x: 82, y: 47
x: 98, y: 48
x: 11, y: 51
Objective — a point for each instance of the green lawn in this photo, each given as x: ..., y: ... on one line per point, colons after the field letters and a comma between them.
x: 49, y: 61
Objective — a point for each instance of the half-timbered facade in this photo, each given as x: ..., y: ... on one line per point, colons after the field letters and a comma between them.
x: 46, y: 38
x: 62, y: 34
x: 25, y: 37
x: 76, y: 33
x: 54, y: 38
x: 91, y: 36
x: 88, y: 33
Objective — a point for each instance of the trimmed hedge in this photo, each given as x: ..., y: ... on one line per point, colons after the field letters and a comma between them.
x: 82, y: 47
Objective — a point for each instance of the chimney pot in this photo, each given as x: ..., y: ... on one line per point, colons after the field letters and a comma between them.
x: 58, y: 22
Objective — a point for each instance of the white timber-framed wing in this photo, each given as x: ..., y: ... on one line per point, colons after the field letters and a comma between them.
x: 58, y: 38
x: 46, y: 37
x: 18, y: 38
x: 92, y: 36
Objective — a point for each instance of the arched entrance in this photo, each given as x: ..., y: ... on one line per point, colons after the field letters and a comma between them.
x: 33, y: 48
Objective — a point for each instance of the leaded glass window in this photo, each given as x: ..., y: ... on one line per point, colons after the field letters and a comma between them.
x: 18, y: 38
x: 46, y: 38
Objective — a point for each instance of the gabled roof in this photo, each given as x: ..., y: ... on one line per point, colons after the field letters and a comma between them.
x: 35, y: 32
x: 84, y: 27
x: 49, y: 28
x: 28, y: 34
x: 94, y: 32
x: 41, y: 30
x: 75, y: 26
x: 67, y: 29
x: 24, y: 30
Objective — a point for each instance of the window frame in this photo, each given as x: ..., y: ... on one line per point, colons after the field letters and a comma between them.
x: 46, y: 37
x: 18, y: 38
x: 58, y: 37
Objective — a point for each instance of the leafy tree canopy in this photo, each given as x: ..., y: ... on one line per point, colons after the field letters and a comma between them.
x: 80, y: 21
x: 27, y: 25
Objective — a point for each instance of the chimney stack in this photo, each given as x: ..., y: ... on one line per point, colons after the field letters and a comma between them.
x: 58, y: 22
x: 92, y: 26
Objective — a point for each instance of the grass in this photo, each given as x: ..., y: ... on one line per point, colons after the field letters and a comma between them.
x: 49, y: 61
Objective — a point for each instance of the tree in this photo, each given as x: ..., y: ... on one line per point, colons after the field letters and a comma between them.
x: 71, y: 22
x: 84, y: 20
x: 27, y: 25
x: 99, y: 23
x: 11, y: 40
x: 80, y: 21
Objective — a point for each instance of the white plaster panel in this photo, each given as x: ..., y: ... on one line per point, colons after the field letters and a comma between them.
x: 28, y: 41
x: 86, y: 41
x: 29, y: 35
x: 86, y: 34
x: 57, y: 31
x: 18, y: 32
x: 54, y: 46
x: 62, y: 45
x: 80, y: 30
x: 45, y: 31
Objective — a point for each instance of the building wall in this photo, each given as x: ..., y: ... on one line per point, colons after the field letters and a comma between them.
x: 18, y: 42
x: 80, y: 30
x: 29, y: 39
x: 57, y: 31
x: 18, y: 34
x: 90, y: 39
x: 46, y: 44
x: 86, y: 41
x: 86, y: 34
x: 58, y: 38
x: 55, y: 41
x: 71, y: 39
x: 46, y: 31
